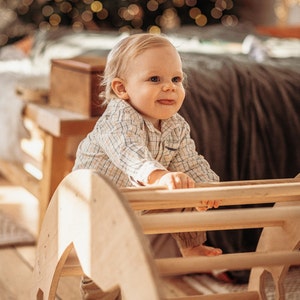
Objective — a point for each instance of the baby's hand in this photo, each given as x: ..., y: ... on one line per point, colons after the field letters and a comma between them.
x: 179, y: 180
x: 209, y: 204
x: 174, y: 180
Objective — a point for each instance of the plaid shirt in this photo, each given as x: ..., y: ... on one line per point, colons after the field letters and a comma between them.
x: 127, y: 148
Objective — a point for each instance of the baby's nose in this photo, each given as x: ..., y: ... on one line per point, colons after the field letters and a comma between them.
x: 169, y: 85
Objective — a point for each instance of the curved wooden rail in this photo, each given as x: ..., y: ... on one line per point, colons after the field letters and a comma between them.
x: 90, y: 215
x: 90, y: 228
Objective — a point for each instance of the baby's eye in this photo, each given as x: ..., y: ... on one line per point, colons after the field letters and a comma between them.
x: 154, y: 79
x: 177, y: 79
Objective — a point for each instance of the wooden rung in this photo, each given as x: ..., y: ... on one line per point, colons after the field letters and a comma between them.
x: 200, y: 264
x: 237, y: 261
x: 218, y: 219
x: 247, y: 295
x: 218, y: 184
x: 141, y: 199
x: 248, y: 182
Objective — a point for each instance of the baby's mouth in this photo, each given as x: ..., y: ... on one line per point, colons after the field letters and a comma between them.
x: 166, y: 101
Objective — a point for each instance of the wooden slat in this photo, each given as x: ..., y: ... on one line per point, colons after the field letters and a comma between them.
x: 236, y: 261
x: 218, y: 184
x: 219, y: 219
x: 248, y: 182
x: 229, y: 195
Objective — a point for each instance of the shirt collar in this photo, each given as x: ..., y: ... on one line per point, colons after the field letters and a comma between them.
x: 166, y: 125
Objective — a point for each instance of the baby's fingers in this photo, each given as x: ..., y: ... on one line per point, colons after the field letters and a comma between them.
x: 216, y: 203
x: 201, y: 208
x: 207, y: 204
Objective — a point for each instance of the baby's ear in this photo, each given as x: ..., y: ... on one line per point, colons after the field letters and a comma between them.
x: 118, y: 87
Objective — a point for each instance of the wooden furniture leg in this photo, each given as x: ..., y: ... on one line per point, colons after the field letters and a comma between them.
x: 53, y: 169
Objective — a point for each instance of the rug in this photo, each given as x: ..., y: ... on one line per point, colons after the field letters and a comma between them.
x: 12, y: 234
x: 208, y: 285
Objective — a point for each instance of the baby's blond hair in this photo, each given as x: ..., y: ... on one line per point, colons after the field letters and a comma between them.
x: 121, y: 54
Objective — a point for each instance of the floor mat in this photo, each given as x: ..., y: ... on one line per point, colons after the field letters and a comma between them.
x: 12, y: 234
x: 208, y: 285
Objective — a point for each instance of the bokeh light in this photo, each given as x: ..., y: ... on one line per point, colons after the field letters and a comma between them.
x: 201, y: 20
x: 120, y: 15
x: 194, y: 12
x: 96, y: 6
x: 152, y: 5
x: 216, y: 13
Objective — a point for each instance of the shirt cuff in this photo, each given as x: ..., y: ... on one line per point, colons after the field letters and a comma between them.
x: 141, y: 177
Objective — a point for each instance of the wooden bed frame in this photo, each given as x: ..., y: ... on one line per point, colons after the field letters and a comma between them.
x: 91, y: 228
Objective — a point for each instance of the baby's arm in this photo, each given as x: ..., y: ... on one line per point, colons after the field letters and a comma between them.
x: 178, y: 180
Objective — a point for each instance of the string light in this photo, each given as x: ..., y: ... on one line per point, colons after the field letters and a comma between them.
x: 123, y: 15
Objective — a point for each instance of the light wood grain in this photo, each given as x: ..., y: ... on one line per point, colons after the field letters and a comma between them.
x: 86, y: 209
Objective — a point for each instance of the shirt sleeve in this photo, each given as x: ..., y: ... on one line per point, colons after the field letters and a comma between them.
x: 188, y: 160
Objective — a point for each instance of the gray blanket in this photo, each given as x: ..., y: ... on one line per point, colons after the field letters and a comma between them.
x: 245, y: 119
x: 244, y: 115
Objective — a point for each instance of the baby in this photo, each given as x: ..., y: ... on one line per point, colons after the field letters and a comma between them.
x: 141, y: 139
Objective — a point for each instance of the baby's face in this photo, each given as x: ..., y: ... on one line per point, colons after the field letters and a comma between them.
x: 154, y: 83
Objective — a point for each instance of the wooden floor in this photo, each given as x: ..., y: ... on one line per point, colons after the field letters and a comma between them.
x: 16, y: 263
